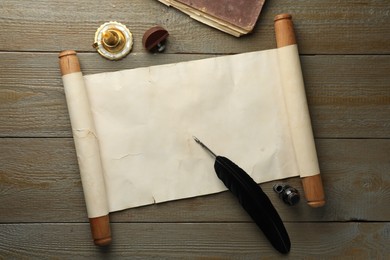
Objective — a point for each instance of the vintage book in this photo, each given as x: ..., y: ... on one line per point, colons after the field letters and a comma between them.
x: 236, y: 17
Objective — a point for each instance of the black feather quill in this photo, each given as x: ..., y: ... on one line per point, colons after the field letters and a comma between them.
x: 253, y: 200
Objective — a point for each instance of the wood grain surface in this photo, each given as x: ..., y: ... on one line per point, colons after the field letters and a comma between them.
x: 195, y: 241
x: 344, y: 47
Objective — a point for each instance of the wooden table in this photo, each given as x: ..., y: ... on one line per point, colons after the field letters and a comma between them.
x: 344, y: 48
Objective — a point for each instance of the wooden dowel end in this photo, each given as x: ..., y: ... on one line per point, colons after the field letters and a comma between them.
x: 314, y: 191
x: 69, y: 62
x: 284, y: 30
x: 101, y: 232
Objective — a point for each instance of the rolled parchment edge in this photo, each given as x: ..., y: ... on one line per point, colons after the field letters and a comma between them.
x: 100, y: 226
x: 312, y: 185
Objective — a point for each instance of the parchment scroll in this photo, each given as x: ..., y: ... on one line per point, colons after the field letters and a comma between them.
x: 144, y: 120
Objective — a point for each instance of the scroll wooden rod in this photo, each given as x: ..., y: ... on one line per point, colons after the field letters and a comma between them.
x: 312, y: 185
x: 100, y: 226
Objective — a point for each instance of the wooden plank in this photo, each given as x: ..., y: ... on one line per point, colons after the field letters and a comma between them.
x: 348, y: 96
x: 352, y: 103
x: 196, y: 240
x: 326, y: 27
x: 39, y: 182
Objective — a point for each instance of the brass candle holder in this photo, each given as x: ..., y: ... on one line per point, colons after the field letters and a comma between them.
x: 113, y: 40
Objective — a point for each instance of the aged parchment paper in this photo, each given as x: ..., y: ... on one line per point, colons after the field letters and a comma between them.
x: 248, y: 107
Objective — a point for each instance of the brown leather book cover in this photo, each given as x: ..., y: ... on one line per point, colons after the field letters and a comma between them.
x: 236, y: 17
x: 241, y: 13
